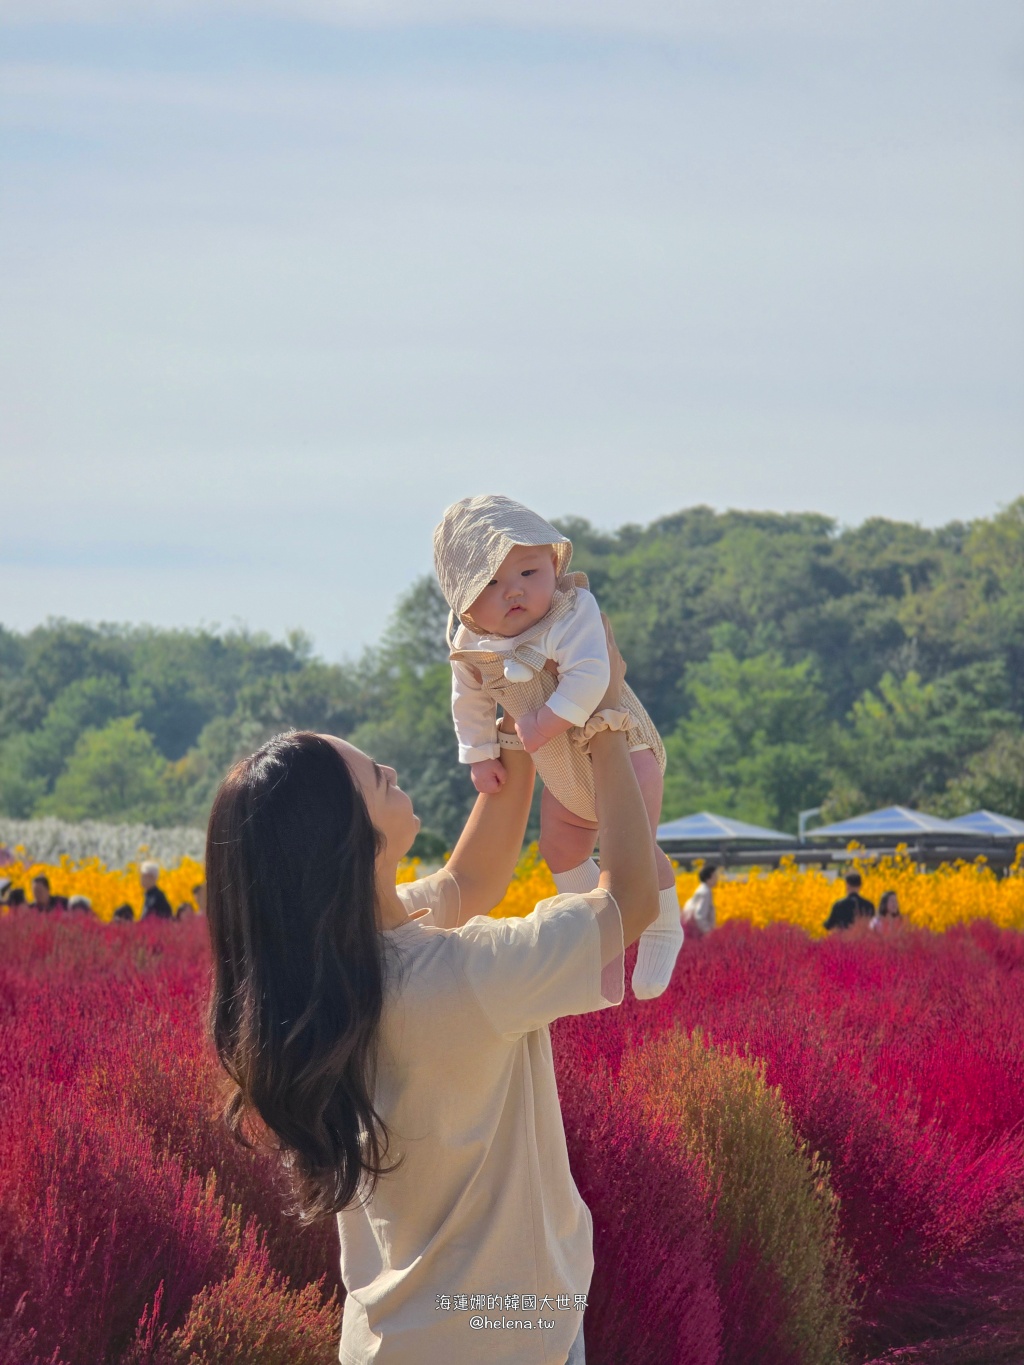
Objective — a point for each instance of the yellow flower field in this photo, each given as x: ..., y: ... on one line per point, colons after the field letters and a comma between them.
x: 107, y: 888
x: 933, y: 900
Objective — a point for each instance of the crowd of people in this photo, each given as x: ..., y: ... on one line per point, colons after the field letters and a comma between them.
x: 698, y: 913
x: 699, y: 910
x: 854, y: 906
x: 154, y: 902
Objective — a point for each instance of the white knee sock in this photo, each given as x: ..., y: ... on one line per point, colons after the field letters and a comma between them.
x: 578, y: 879
x: 658, y: 948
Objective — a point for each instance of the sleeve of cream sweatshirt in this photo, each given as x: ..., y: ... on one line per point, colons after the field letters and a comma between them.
x: 475, y: 717
x: 578, y: 646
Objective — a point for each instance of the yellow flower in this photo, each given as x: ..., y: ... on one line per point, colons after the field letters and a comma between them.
x: 938, y: 899
x: 107, y: 888
x: 951, y: 894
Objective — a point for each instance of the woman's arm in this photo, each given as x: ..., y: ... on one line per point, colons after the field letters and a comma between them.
x: 624, y: 835
x: 488, y: 849
x: 623, y: 829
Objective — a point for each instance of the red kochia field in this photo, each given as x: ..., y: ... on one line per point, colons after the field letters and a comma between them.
x: 805, y: 1152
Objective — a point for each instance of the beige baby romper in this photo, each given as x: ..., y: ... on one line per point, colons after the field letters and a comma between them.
x: 563, y: 762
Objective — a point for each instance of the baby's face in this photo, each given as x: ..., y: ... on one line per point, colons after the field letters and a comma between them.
x: 519, y: 594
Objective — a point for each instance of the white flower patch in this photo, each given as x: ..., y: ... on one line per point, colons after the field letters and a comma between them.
x: 48, y: 840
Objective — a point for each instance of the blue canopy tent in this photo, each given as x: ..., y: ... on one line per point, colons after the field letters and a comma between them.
x: 705, y: 828
x: 990, y: 822
x: 891, y: 822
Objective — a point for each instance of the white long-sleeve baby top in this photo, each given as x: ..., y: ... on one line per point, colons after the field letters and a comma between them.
x: 577, y: 644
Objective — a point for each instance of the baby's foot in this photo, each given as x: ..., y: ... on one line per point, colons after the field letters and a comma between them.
x: 658, y: 948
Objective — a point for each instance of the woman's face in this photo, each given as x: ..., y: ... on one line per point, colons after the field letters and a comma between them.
x: 389, y: 807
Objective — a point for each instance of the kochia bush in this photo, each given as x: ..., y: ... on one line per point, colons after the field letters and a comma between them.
x: 783, y: 1272
x: 831, y: 1169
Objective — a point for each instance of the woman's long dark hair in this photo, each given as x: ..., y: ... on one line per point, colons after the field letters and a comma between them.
x: 883, y: 903
x: 299, y: 971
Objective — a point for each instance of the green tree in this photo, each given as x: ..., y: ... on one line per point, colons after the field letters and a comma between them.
x: 415, y: 635
x: 32, y: 760
x: 752, y: 743
x: 52, y: 657
x: 667, y: 588
x: 973, y: 609
x: 394, y: 698
x: 991, y: 780
x: 854, y: 606
x: 115, y: 773
x: 909, y: 739
x: 181, y: 680
x: 416, y: 737
x: 323, y: 697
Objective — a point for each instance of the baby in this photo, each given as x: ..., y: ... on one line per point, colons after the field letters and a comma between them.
x: 530, y: 638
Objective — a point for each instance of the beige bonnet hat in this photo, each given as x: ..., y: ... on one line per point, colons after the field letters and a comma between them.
x: 475, y: 534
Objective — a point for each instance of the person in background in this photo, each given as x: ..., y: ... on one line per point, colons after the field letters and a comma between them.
x: 851, y: 907
x: 124, y: 914
x: 80, y: 903
x: 5, y: 891
x: 42, y: 900
x: 888, y: 909
x: 196, y: 906
x: 699, y: 910
x: 15, y: 898
x: 155, y: 903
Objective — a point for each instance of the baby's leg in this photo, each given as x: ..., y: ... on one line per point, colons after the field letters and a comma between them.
x: 659, y: 945
x: 566, y: 845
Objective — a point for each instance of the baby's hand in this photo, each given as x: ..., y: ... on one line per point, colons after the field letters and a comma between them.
x: 537, y: 727
x: 488, y: 775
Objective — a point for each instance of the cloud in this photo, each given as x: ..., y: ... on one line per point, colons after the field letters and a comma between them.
x: 664, y: 17
x: 685, y: 19
x: 274, y: 293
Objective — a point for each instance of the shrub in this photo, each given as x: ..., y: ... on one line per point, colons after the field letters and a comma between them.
x: 898, y: 1057
x: 653, y: 1295
x: 783, y: 1273
x: 901, y: 1059
x: 252, y: 1316
x: 94, y: 1222
x: 177, y: 1105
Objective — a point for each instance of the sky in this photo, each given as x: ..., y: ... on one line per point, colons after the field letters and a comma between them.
x: 279, y: 279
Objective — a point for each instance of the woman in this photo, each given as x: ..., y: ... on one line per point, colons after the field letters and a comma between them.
x: 888, y: 909
x: 394, y: 1044
x: 699, y: 910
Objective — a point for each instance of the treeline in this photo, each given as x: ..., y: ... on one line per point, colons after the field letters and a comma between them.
x: 788, y: 664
